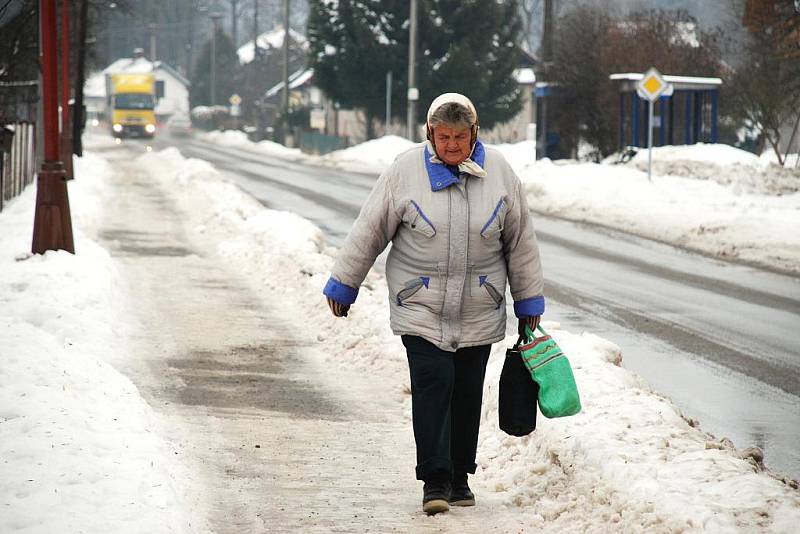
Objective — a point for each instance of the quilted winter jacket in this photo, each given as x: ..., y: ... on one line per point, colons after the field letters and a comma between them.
x: 455, y: 242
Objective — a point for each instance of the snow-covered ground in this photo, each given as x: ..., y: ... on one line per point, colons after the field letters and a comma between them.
x: 714, y: 199
x: 79, y: 447
x: 81, y: 451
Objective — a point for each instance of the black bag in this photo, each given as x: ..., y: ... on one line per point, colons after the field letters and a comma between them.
x: 518, y: 395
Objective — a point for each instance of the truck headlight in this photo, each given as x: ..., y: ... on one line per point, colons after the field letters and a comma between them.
x: 117, y: 128
x: 150, y: 128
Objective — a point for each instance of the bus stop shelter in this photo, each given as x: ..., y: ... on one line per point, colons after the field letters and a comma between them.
x: 689, y: 115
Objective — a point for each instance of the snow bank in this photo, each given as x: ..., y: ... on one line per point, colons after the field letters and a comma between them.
x: 629, y: 459
x: 238, y: 139
x: 718, y: 154
x: 78, y: 445
x: 519, y: 155
x: 792, y: 160
x: 372, y: 156
x: 714, y: 199
x: 701, y: 215
x: 743, y: 171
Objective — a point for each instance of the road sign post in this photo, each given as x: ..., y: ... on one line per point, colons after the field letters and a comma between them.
x: 235, y: 110
x: 651, y: 87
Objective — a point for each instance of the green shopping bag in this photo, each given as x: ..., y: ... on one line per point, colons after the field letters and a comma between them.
x: 549, y: 367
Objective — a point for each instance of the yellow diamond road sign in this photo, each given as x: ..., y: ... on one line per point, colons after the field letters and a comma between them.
x: 235, y: 99
x: 652, y: 85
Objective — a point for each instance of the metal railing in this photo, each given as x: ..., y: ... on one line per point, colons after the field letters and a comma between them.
x: 17, y: 159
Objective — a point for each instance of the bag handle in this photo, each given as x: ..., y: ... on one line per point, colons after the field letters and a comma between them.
x: 530, y: 334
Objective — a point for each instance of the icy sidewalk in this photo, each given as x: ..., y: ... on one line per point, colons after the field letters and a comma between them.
x: 629, y: 459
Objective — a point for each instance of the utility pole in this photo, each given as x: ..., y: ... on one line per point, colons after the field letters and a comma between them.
x: 66, y: 131
x: 285, y: 113
x: 235, y: 23
x: 388, y: 102
x: 255, y: 29
x: 52, y: 223
x: 78, y: 116
x: 152, y: 43
x: 544, y: 76
x: 215, y: 15
x: 413, y: 92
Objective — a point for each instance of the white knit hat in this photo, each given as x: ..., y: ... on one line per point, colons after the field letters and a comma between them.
x: 447, y: 98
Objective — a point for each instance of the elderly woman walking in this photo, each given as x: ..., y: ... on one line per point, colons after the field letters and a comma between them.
x: 459, y: 225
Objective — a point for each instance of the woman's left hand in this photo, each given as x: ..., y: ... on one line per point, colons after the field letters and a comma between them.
x: 532, y: 322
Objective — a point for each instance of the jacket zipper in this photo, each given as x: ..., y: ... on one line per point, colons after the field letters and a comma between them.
x: 493, y: 293
x: 408, y: 292
x: 424, y: 217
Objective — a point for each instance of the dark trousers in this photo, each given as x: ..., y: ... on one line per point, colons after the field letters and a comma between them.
x: 446, y: 397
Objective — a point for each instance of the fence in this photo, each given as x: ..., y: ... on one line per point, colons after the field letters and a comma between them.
x: 317, y: 143
x: 17, y: 159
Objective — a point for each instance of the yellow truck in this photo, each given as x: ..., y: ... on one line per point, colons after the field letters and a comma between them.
x: 132, y: 102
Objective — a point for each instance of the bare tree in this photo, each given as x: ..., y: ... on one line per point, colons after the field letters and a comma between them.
x: 765, y: 89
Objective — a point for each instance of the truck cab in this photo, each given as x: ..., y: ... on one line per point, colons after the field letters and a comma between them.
x: 132, y: 100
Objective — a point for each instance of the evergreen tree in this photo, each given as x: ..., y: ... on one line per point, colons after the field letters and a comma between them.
x: 466, y: 46
x: 471, y: 47
x: 227, y: 73
x: 353, y: 44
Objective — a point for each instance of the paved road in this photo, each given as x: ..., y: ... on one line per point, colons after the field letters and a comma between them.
x: 719, y: 338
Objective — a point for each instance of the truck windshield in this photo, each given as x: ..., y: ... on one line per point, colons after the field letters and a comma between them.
x: 133, y: 101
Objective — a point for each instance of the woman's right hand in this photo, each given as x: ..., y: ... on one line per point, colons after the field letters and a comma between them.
x: 338, y: 310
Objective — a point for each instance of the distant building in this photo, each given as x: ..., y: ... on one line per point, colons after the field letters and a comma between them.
x: 176, y: 86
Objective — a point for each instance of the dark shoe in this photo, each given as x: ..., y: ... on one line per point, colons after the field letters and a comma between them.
x: 436, y: 495
x: 460, y: 494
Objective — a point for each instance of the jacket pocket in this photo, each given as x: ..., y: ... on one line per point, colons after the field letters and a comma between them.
x: 418, y: 221
x: 492, y: 291
x: 411, y: 288
x: 494, y: 223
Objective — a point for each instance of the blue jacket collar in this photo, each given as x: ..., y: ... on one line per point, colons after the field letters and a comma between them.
x: 438, y: 173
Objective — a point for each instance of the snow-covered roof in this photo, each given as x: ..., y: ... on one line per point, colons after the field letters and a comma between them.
x: 679, y: 82
x: 270, y: 39
x: 297, y: 79
x: 636, y: 76
x: 524, y: 76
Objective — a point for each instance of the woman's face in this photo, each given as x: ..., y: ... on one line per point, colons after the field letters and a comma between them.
x: 452, y: 144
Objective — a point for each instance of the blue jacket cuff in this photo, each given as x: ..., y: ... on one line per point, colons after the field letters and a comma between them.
x: 339, y: 292
x: 529, y: 307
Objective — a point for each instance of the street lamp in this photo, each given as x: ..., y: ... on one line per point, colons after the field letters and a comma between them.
x: 215, y: 15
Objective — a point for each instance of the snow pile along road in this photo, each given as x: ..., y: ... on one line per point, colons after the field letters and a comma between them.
x: 714, y: 199
x: 369, y: 157
x: 79, y: 450
x: 701, y: 215
x: 724, y: 164
x: 629, y: 459
x: 237, y: 139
